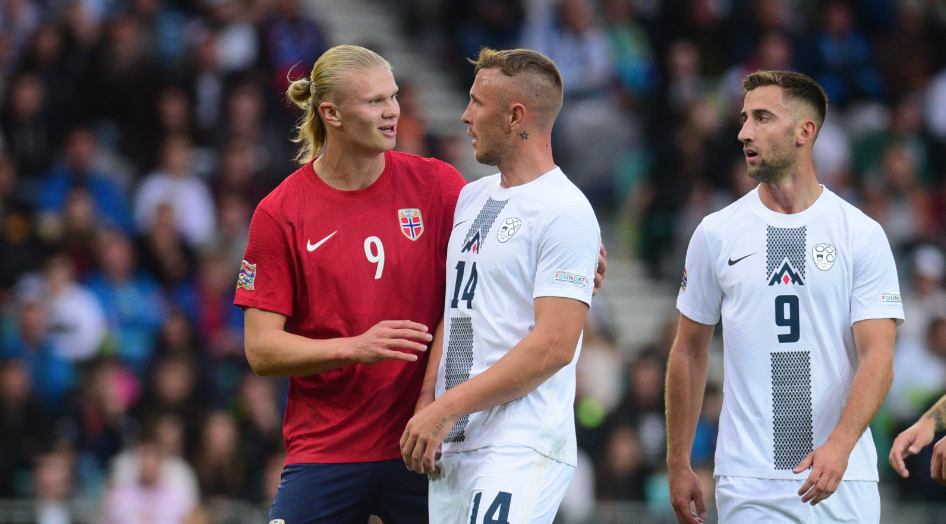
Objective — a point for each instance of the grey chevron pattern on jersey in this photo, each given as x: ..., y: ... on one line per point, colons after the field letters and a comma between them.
x: 782, y: 243
x: 476, y: 236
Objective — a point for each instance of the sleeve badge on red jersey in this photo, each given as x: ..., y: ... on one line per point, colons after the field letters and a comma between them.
x: 412, y: 225
x: 247, y: 276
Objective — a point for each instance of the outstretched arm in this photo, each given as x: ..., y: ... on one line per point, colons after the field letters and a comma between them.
x: 874, y: 340
x: 917, y: 437
x: 270, y: 350
x: 686, y: 382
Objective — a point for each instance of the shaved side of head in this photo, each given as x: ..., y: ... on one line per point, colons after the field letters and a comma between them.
x: 529, y: 78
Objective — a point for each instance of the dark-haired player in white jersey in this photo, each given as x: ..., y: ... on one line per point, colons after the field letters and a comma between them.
x: 807, y: 291
x: 520, y: 262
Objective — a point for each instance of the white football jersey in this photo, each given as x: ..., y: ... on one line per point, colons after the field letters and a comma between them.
x: 789, y: 289
x: 508, y: 247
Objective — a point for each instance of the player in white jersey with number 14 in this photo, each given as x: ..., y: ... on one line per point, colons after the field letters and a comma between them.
x: 806, y: 287
x: 521, y: 264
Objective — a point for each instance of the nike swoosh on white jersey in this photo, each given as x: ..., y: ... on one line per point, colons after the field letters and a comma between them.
x: 313, y: 247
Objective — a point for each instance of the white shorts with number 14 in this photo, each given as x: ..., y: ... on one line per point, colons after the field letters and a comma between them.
x: 502, y: 484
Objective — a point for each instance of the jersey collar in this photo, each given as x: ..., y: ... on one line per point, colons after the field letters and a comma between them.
x: 499, y: 192
x: 783, y: 220
x: 356, y: 194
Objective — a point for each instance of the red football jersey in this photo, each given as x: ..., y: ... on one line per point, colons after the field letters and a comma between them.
x: 337, y: 263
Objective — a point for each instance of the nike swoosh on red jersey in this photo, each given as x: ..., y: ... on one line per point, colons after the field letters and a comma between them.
x: 313, y: 247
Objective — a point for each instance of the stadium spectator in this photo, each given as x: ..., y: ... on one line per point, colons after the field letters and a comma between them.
x: 99, y: 421
x: 123, y: 86
x: 205, y: 81
x: 28, y: 342
x: 25, y: 130
x: 218, y: 459
x: 237, y: 38
x: 54, y: 483
x: 77, y: 232
x: 163, y: 32
x: 19, y: 19
x: 623, y: 474
x: 78, y: 170
x: 25, y: 430
x: 21, y: 246
x: 246, y: 121
x: 166, y: 432
x: 238, y: 173
x: 75, y: 318
x: 635, y: 63
x: 165, y: 254
x: 844, y: 62
x: 291, y: 39
x: 233, y: 218
x: 471, y: 26
x: 642, y: 408
x: 132, y: 299
x: 151, y: 495
x: 174, y: 184
x: 259, y: 416
x: 173, y: 390
x: 570, y: 34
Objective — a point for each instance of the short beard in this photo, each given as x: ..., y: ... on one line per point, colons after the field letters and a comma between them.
x: 778, y: 168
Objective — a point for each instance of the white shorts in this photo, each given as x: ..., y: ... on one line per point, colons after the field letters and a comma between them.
x: 750, y: 500
x: 502, y: 483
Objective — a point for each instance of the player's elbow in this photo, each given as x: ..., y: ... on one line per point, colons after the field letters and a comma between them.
x: 561, y: 352
x: 256, y: 356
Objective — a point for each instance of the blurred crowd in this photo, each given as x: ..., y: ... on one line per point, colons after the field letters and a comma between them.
x: 137, y: 137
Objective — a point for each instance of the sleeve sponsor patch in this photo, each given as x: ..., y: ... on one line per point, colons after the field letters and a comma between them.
x: 890, y: 298
x: 247, y: 276
x: 683, y: 282
x: 572, y: 279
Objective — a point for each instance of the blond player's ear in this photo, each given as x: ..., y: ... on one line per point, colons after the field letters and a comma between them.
x: 330, y: 114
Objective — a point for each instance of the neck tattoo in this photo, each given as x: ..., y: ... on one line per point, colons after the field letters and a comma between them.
x: 524, y: 135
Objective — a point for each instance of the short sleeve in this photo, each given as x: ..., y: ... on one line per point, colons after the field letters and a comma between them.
x: 700, y: 296
x: 876, y: 290
x: 266, y: 280
x: 567, y: 253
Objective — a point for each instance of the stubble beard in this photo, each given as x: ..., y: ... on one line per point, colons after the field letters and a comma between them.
x: 777, y: 168
x: 488, y: 157
x: 494, y: 149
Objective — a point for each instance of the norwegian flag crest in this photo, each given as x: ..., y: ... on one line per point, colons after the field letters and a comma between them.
x: 412, y: 224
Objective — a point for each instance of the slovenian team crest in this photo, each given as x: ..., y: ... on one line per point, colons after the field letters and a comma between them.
x: 412, y: 225
x: 508, y: 229
x: 824, y: 255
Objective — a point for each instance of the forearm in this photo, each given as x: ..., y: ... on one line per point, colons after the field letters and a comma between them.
x: 429, y: 387
x: 519, y: 372
x: 276, y: 352
x: 686, y: 381
x: 868, y: 390
x: 936, y: 415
